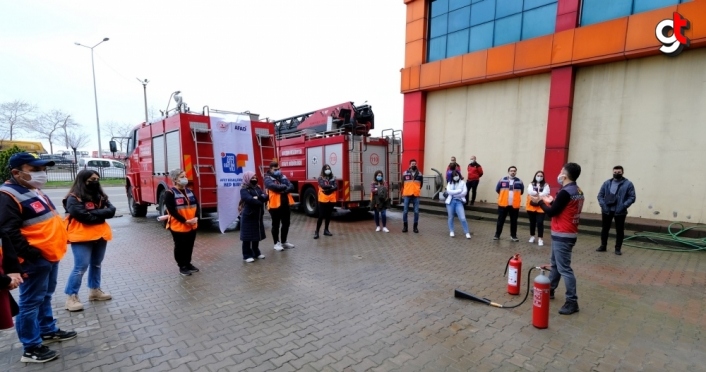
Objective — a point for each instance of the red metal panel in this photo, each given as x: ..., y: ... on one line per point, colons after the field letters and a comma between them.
x: 561, y: 93
x: 554, y: 160
x: 559, y: 127
x: 413, y: 128
x: 566, y: 21
x: 567, y: 6
x: 415, y: 106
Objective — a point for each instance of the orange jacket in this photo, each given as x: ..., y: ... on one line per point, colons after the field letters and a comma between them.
x: 504, y: 189
x: 186, y: 206
x: 327, y: 186
x: 86, y: 219
x: 412, y: 183
x: 43, y: 228
x: 275, y: 187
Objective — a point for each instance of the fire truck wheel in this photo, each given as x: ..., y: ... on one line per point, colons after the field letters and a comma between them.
x: 161, y: 208
x: 310, y: 203
x: 136, y: 210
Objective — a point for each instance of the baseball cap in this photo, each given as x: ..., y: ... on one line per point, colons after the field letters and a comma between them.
x: 21, y: 158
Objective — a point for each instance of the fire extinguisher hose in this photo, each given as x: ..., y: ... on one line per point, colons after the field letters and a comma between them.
x: 529, y: 276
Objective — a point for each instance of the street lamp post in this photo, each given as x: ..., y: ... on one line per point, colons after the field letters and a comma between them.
x: 95, y: 94
x: 144, y: 85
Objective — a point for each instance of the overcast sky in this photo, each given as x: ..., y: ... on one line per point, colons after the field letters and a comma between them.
x: 278, y: 58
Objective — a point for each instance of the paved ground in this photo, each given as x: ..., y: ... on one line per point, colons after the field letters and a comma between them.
x: 363, y: 300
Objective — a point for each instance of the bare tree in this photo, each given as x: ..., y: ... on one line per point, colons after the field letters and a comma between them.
x: 76, y: 140
x: 118, y: 132
x: 50, y: 126
x: 14, y: 115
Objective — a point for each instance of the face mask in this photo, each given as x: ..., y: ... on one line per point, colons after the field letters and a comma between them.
x: 473, y: 161
x: 456, y: 178
x: 277, y: 173
x: 539, y: 179
x: 327, y: 172
x: 560, y: 180
x: 379, y: 178
x: 38, y: 180
x: 617, y: 176
x: 183, y: 181
x: 414, y: 167
x: 93, y: 185
x: 253, y: 182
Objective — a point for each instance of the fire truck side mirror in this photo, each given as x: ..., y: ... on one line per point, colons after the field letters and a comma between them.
x: 113, y: 146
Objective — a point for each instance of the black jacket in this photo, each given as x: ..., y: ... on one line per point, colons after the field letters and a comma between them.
x: 77, y: 210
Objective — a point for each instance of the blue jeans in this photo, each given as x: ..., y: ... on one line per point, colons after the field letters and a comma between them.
x: 377, y: 214
x: 87, y: 256
x: 36, y: 318
x: 561, y: 268
x: 407, y: 200
x: 456, y: 207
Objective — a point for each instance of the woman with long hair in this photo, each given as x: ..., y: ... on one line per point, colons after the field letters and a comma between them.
x: 88, y: 208
x: 455, y: 200
x: 252, y: 226
x: 183, y: 209
x: 538, y: 186
x: 380, y: 200
x: 326, y: 199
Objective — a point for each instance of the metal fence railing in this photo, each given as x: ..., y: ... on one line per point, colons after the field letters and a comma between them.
x: 67, y: 172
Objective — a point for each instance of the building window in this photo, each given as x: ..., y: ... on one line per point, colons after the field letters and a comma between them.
x: 461, y: 26
x: 595, y: 11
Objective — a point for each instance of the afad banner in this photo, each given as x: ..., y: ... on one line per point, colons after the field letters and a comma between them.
x: 233, y: 155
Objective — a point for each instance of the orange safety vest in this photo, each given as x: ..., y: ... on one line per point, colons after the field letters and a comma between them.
x: 186, y: 206
x: 504, y: 194
x: 533, y: 208
x: 80, y: 232
x: 274, y: 199
x: 412, y: 184
x: 42, y: 226
x: 323, y: 198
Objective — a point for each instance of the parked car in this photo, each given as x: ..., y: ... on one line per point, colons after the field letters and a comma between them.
x: 107, y: 168
x: 59, y: 160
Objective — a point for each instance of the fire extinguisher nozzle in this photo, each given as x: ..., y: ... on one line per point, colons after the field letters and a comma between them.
x: 495, y: 304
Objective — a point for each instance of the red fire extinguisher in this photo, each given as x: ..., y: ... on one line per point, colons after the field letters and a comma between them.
x: 540, y: 303
x: 513, y: 269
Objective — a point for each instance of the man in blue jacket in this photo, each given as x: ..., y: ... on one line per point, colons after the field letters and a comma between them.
x: 616, y: 196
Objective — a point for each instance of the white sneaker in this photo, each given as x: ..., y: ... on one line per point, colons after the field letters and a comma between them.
x: 262, y: 256
x: 287, y: 245
x: 451, y: 234
x: 385, y: 229
x: 278, y: 247
x: 540, y: 242
x: 468, y: 235
x: 250, y: 260
x: 532, y: 239
x: 377, y: 229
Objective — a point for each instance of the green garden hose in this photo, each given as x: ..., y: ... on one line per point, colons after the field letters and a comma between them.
x: 685, y: 244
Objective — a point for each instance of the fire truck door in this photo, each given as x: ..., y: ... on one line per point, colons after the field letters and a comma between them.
x: 374, y: 158
x: 314, y: 161
x: 334, y: 158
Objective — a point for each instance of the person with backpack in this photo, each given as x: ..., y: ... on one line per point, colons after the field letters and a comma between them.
x: 252, y: 228
x: 380, y: 200
x: 88, y: 209
x: 183, y: 209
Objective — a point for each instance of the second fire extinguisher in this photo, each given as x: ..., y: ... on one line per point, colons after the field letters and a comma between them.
x: 540, y: 302
x: 513, y: 269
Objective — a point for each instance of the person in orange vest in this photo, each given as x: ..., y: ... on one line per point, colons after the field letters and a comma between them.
x: 38, y: 237
x: 88, y: 208
x: 326, y: 199
x: 183, y: 209
x: 412, y: 181
x: 538, y: 187
x: 280, y: 200
x: 510, y: 190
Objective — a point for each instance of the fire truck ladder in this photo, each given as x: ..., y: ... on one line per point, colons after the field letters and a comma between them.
x: 265, y: 141
x: 204, y: 164
x: 394, y: 159
x: 357, y: 147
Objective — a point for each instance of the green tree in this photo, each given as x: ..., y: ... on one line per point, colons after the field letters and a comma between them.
x: 5, y: 162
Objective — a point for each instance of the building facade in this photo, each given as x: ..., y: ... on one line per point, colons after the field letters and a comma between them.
x: 537, y: 83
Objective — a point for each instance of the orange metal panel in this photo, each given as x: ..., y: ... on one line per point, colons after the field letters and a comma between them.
x: 414, y: 76
x: 404, y: 86
x: 430, y: 74
x: 415, y: 10
x: 562, y: 47
x: 695, y: 12
x: 451, y: 70
x: 602, y: 40
x: 533, y: 53
x: 415, y: 30
x: 640, y: 37
x: 474, y: 65
x: 414, y: 53
x: 500, y: 60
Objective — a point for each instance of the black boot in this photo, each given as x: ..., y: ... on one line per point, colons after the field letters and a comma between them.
x: 601, y: 249
x: 316, y: 234
x: 569, y: 308
x: 416, y: 230
x: 404, y: 229
x: 617, y: 251
x: 327, y: 233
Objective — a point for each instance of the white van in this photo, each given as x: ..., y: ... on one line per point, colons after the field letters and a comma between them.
x: 107, y: 168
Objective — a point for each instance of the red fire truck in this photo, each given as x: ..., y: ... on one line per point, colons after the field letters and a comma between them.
x: 340, y: 137
x: 182, y: 140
